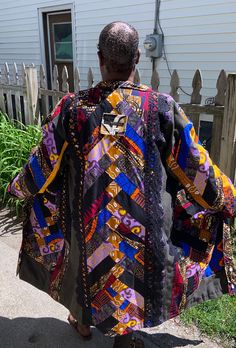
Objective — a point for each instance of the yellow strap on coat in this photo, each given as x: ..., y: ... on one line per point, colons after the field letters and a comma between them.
x: 55, y: 169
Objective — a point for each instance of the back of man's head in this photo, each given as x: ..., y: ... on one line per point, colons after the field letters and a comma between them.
x: 118, y: 44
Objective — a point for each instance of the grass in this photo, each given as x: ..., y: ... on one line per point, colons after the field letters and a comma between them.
x: 16, y: 142
x: 216, y: 318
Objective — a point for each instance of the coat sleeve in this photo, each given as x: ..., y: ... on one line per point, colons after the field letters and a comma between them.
x: 189, y: 162
x: 45, y: 159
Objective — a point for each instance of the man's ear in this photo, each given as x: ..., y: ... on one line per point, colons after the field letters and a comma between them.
x: 138, y: 57
x: 101, y: 58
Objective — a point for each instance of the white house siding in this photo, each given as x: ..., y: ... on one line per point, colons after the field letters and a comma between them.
x: 19, y: 31
x: 198, y: 34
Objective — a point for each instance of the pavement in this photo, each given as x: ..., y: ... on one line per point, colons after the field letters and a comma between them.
x: 29, y: 318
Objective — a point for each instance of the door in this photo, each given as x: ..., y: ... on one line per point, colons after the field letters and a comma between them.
x: 59, y: 45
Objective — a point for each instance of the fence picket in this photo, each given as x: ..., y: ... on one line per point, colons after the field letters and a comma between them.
x: 174, y: 84
x: 17, y: 93
x: 155, y: 80
x: 2, y: 99
x: 221, y: 86
x: 65, y: 76
x: 196, y: 97
x: 8, y: 91
x: 77, y: 80
x: 43, y: 87
x: 137, y: 77
x: 56, y: 85
x: 90, y: 78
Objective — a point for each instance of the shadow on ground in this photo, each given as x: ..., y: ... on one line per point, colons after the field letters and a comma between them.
x: 165, y: 340
x: 9, y: 224
x: 54, y: 333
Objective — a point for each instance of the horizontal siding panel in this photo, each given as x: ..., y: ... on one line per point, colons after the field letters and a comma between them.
x: 199, y: 10
x: 198, y: 30
x: 106, y: 18
x: 122, y: 11
x: 107, y: 5
x: 201, y: 39
x: 21, y: 4
x: 200, y: 20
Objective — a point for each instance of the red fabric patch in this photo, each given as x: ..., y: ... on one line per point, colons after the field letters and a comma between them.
x: 93, y: 209
x: 177, y: 292
x: 110, y: 281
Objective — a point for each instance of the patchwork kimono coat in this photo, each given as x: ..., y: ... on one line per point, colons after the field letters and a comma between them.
x: 126, y: 217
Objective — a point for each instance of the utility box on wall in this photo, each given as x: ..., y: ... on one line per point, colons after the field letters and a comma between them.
x: 153, y: 45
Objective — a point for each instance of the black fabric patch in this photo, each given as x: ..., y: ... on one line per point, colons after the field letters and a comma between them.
x: 131, y: 207
x: 106, y: 325
x: 96, y: 190
x: 103, y: 267
x: 211, y: 191
x: 133, y: 282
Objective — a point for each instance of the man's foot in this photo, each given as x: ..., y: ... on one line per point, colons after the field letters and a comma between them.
x: 83, y: 330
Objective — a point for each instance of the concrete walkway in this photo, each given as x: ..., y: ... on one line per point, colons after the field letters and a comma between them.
x: 31, y: 319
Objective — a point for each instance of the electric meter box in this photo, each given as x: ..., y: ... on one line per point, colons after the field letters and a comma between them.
x: 153, y: 45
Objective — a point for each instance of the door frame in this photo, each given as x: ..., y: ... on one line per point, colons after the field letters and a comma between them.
x: 41, y: 12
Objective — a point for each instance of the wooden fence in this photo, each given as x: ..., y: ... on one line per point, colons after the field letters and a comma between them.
x: 28, y: 99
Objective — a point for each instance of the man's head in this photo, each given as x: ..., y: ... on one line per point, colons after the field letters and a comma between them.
x: 118, y: 50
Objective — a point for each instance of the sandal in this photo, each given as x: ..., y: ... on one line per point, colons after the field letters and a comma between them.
x: 83, y: 330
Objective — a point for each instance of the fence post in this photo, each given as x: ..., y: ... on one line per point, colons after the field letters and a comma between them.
x: 8, y: 91
x: 32, y: 94
x: 17, y: 93
x: 228, y: 146
x: 2, y: 99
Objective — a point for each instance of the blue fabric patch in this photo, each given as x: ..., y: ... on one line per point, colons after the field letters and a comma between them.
x: 186, y: 249
x: 131, y: 134
x: 94, y: 310
x: 103, y: 217
x: 124, y: 305
x: 127, y: 250
x: 111, y: 292
x: 215, y: 260
x: 186, y: 142
x: 208, y: 272
x: 39, y: 214
x: 123, y: 181
x: 53, y: 236
x: 37, y: 172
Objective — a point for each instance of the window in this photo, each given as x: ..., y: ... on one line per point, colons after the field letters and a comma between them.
x: 63, y: 48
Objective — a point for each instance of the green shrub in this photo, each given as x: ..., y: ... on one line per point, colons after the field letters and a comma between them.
x: 16, y: 142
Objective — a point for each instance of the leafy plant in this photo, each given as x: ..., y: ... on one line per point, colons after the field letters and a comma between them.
x: 16, y: 142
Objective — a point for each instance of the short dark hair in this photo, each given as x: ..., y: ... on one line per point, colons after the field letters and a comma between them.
x: 118, y: 44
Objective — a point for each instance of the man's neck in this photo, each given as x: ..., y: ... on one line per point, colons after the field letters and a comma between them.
x: 129, y: 76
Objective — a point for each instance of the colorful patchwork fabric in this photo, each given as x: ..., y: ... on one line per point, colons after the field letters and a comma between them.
x: 123, y: 227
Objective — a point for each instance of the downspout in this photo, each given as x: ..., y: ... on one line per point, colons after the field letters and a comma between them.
x: 156, y: 29
x: 154, y: 42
